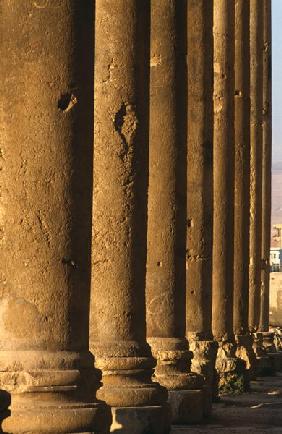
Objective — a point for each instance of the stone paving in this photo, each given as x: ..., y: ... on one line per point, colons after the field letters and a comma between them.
x: 259, y: 411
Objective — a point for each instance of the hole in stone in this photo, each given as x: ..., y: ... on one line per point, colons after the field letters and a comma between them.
x: 119, y: 118
x: 238, y: 92
x: 66, y: 102
x: 69, y: 261
x: 159, y: 264
x: 190, y: 223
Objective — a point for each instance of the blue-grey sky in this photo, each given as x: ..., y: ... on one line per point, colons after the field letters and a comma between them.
x: 277, y: 80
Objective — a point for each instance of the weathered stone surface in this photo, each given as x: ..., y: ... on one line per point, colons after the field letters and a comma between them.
x: 46, y: 186
x: 203, y: 361
x: 199, y: 170
x: 140, y: 420
x: 266, y: 166
x: 242, y: 167
x: 165, y: 280
x: 256, y: 83
x: 231, y: 370
x: 223, y: 170
x: 117, y: 328
x: 246, y: 352
x: 199, y: 191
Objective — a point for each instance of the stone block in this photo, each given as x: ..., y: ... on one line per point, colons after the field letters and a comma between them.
x: 141, y: 420
x: 187, y: 406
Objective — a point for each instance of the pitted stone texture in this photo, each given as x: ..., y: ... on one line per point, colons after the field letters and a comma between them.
x: 230, y: 369
x: 199, y: 168
x: 173, y: 364
x: 117, y: 318
x: 266, y: 164
x: 256, y: 94
x: 46, y: 197
x: 246, y: 352
x: 204, y: 356
x: 223, y: 170
x: 203, y: 363
x: 51, y: 418
x: 127, y: 375
x: 48, y: 390
x: 141, y: 420
x: 242, y: 168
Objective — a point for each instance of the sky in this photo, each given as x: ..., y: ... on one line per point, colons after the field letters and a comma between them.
x: 276, y: 80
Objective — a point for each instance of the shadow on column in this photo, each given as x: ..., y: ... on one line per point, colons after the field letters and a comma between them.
x: 5, y: 402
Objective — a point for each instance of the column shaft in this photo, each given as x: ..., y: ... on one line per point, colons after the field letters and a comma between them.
x: 266, y: 166
x: 229, y: 368
x: 244, y: 339
x: 242, y: 167
x: 118, y: 332
x: 199, y: 188
x: 165, y: 284
x: 165, y: 287
x: 256, y: 82
x: 46, y: 183
x: 223, y: 170
x: 199, y: 169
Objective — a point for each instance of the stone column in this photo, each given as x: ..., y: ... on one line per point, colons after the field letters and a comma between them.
x: 266, y: 176
x: 227, y: 365
x: 256, y: 82
x: 242, y: 181
x: 165, y: 284
x: 45, y: 218
x: 256, y: 93
x: 199, y: 189
x: 118, y: 331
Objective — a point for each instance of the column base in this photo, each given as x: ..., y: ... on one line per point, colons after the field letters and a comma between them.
x: 62, y: 418
x: 203, y: 363
x: 231, y: 370
x: 245, y: 352
x: 45, y: 394
x: 141, y: 420
x: 185, y: 393
x: 258, y: 347
x: 268, y: 342
x: 265, y: 366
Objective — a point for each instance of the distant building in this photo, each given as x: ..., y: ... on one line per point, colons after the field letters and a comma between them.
x: 275, y: 259
x: 275, y: 299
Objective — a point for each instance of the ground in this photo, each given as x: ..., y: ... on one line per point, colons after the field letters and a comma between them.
x: 257, y: 412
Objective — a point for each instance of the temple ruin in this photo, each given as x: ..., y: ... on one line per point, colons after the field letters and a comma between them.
x: 135, y: 204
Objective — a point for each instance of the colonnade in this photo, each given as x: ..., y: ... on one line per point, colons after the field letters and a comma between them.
x: 135, y: 210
